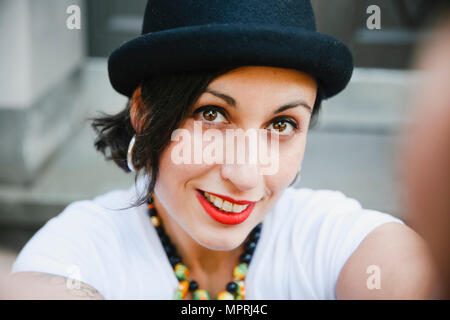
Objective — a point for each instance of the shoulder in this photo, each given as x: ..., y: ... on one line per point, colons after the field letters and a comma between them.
x: 322, y: 200
x: 79, y: 225
x: 105, y: 213
x: 88, y: 236
x: 322, y: 229
x: 326, y: 209
x: 392, y: 262
x: 113, y: 209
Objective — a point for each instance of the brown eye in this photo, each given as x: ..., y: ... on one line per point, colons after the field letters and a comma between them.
x: 280, y: 126
x: 283, y: 126
x: 210, y: 115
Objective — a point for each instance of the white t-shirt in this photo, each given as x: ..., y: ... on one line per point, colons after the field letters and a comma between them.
x: 305, y: 241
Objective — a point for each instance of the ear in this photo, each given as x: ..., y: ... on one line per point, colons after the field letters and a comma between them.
x: 137, y: 110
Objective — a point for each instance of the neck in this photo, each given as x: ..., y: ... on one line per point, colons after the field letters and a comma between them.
x: 199, y: 259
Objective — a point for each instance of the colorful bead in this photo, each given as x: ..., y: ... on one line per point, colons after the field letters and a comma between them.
x: 183, y: 287
x: 201, y: 294
x: 155, y: 221
x: 240, y: 271
x: 240, y: 290
x: 181, y: 271
x: 225, y: 295
x: 178, y: 295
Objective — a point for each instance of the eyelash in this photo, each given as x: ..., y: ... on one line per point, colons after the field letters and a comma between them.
x: 286, y: 119
x: 225, y: 115
x: 210, y: 107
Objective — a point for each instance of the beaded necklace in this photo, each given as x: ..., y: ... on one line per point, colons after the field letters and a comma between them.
x: 235, y: 290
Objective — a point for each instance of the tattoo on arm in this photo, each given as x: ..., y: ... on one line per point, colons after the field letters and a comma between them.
x: 85, y: 291
x: 81, y: 290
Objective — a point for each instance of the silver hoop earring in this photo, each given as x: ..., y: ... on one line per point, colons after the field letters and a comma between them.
x: 130, y: 155
x: 297, y: 178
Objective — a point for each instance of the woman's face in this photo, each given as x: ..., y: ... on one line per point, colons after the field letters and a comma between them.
x: 250, y: 97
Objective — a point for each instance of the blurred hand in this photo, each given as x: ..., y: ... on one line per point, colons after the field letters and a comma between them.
x: 426, y: 158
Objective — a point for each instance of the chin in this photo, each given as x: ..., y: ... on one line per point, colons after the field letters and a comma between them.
x: 217, y: 243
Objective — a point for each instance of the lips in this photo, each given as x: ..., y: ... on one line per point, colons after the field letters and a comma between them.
x: 224, y: 209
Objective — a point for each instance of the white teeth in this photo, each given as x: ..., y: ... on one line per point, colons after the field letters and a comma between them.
x: 225, y: 205
x: 238, y: 208
x: 218, y: 202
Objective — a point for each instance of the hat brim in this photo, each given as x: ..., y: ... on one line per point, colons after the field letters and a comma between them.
x: 209, y: 46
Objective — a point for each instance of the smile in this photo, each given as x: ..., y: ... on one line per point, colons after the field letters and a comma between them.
x: 224, y: 209
x: 223, y: 204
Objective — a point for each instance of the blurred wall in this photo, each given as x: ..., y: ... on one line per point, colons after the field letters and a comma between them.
x: 39, y: 61
x: 37, y: 49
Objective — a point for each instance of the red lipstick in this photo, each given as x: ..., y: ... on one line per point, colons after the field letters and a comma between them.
x: 241, y: 202
x: 229, y: 218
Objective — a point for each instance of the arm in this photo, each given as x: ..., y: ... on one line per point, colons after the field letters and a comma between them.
x: 37, y: 285
x: 406, y: 270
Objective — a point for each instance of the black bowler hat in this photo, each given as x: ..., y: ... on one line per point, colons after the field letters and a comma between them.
x: 191, y: 35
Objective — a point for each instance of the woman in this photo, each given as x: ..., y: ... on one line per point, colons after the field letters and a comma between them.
x: 223, y: 230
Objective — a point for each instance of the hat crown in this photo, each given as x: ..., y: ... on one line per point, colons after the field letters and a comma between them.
x: 164, y: 14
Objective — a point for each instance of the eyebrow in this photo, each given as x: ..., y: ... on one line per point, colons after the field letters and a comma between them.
x: 230, y: 101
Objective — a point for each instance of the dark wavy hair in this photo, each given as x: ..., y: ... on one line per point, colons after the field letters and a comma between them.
x: 160, y: 103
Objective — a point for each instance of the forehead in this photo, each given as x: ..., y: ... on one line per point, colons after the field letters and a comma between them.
x: 267, y: 85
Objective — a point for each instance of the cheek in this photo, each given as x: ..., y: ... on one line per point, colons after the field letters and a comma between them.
x: 178, y: 165
x: 290, y: 158
x: 172, y: 184
x: 175, y: 175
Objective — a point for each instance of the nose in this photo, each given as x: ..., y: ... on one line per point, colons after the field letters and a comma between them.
x: 243, y: 176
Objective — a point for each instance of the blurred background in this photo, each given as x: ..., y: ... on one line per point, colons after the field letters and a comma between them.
x: 52, y: 78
